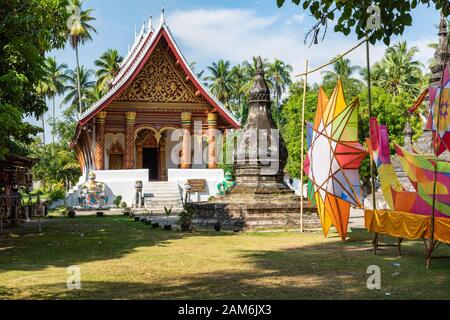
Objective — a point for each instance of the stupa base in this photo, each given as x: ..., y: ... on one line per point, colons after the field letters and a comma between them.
x: 241, y: 212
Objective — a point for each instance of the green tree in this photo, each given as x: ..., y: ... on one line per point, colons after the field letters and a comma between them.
x: 57, y: 165
x: 193, y: 66
x: 55, y: 79
x: 220, y: 81
x: 108, y: 66
x: 398, y: 71
x: 42, y: 89
x: 291, y: 118
x: 93, y: 95
x: 85, y: 84
x: 28, y: 29
x: 279, y: 74
x: 391, y: 110
x: 80, y: 31
x: 348, y: 16
x: 239, y: 79
x: 342, y: 69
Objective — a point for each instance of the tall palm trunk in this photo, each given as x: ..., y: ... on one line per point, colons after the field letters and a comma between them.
x: 53, y: 120
x: 278, y: 110
x: 78, y: 81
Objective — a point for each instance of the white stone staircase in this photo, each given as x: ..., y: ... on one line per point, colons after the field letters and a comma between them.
x: 160, y: 194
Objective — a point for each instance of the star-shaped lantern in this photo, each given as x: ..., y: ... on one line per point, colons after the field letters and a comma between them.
x: 439, y: 118
x: 333, y: 159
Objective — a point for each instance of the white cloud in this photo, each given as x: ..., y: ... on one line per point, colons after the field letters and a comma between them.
x: 239, y: 34
x: 296, y: 19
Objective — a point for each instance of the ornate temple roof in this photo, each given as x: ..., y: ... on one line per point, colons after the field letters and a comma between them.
x: 138, y: 55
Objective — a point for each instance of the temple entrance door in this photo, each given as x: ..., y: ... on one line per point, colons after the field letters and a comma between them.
x: 150, y: 161
x: 115, y: 162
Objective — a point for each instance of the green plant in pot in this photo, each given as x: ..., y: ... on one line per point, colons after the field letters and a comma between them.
x: 185, y: 217
x: 168, y: 211
x: 125, y: 209
x: 71, y: 213
x: 218, y: 225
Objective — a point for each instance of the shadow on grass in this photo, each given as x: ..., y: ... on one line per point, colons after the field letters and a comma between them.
x: 65, y: 241
x: 324, y: 270
x: 332, y: 270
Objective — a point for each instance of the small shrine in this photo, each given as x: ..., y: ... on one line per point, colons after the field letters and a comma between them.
x: 260, y: 198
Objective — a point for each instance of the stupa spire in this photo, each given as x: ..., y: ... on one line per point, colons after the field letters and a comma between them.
x: 259, y: 91
x: 443, y: 31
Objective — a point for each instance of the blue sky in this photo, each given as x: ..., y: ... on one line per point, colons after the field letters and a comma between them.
x: 233, y: 30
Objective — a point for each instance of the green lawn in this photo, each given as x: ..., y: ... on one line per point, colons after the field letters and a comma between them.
x: 123, y: 259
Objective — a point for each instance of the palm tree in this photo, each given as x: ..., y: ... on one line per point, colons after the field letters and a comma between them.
x: 74, y: 91
x: 80, y: 32
x: 342, y: 69
x: 193, y: 66
x: 42, y: 89
x: 55, y: 79
x: 398, y: 71
x: 280, y: 76
x: 108, y: 66
x: 220, y: 80
x: 239, y: 79
x: 93, y: 94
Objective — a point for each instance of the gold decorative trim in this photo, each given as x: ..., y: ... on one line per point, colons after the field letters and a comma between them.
x: 160, y: 80
x: 130, y: 117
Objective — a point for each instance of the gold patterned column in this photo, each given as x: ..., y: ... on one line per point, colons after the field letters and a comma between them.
x: 186, y: 122
x: 130, y: 119
x: 212, y: 127
x: 100, y: 140
x: 162, y: 154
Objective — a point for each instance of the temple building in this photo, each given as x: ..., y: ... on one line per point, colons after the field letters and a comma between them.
x: 155, y: 92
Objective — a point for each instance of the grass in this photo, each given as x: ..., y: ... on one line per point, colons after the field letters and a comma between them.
x: 123, y: 259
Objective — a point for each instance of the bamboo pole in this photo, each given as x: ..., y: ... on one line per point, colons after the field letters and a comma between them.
x: 369, y: 103
x: 305, y: 83
x: 333, y: 60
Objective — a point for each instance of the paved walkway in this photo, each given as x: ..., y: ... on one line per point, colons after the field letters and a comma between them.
x: 356, y: 218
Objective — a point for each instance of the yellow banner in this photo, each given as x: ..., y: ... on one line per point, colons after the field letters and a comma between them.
x: 406, y: 225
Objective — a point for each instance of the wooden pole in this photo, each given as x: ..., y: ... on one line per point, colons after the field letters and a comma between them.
x: 369, y: 103
x: 305, y: 83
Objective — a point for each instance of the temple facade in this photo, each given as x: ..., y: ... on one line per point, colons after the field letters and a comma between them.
x: 158, y: 127
x: 154, y: 93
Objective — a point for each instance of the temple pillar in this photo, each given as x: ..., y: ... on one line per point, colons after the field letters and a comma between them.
x: 100, y: 140
x: 212, y: 127
x: 130, y: 119
x: 186, y: 123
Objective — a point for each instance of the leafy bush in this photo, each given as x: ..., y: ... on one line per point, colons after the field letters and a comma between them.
x: 117, y: 201
x: 123, y: 205
x: 186, y: 215
x: 57, y: 193
x: 168, y: 210
x: 62, y: 211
